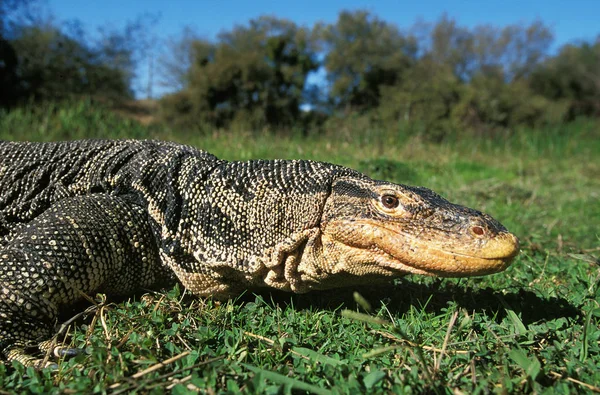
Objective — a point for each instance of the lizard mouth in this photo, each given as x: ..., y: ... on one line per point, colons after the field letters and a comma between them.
x: 451, y: 258
x: 432, y: 254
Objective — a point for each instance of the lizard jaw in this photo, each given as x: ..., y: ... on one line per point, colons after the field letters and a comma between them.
x: 402, y: 253
x: 443, y: 260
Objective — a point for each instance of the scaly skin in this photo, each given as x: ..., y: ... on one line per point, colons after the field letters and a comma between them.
x: 84, y: 217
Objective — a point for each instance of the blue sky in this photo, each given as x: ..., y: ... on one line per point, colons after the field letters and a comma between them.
x: 570, y: 20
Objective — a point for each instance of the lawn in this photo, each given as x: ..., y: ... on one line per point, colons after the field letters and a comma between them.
x: 532, y: 328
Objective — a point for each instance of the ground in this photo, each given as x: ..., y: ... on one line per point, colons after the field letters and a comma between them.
x: 533, y: 327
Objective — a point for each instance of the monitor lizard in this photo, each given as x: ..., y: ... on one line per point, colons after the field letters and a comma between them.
x: 82, y: 217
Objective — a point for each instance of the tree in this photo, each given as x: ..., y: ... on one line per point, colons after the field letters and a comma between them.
x: 9, y: 80
x: 8, y: 74
x: 363, y: 54
x: 124, y: 49
x: 254, y: 73
x: 523, y: 48
x: 43, y: 60
x: 452, y: 46
x: 488, y: 104
x: 491, y: 64
x: 11, y: 13
x: 176, y: 61
x: 573, y: 76
x: 53, y: 65
x: 426, y: 95
x: 513, y: 51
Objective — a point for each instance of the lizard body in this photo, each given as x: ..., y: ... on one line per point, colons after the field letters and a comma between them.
x: 91, y: 216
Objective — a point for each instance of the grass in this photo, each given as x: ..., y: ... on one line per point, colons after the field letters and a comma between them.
x: 532, y: 328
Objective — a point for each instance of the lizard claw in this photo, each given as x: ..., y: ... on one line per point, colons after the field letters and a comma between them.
x: 40, y: 364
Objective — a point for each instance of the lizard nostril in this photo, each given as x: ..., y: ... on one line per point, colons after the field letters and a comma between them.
x: 478, y: 230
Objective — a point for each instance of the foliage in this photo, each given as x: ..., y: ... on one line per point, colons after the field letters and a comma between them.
x: 532, y: 328
x: 471, y: 79
x: 44, y: 60
x: 363, y: 54
x: 175, y: 66
x: 572, y: 76
x: 254, y: 73
x: 487, y: 104
x: 53, y: 65
x: 426, y: 95
x: 437, y: 77
x: 440, y: 77
x: 513, y: 50
x: 8, y: 74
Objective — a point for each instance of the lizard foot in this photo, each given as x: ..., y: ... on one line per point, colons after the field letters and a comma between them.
x: 49, y: 348
x: 20, y: 355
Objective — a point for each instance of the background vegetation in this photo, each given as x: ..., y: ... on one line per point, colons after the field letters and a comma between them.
x: 487, y: 116
x: 271, y: 73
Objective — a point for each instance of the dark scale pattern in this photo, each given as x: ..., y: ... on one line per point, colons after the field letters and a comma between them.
x: 115, y: 216
x: 256, y: 205
x: 86, y: 244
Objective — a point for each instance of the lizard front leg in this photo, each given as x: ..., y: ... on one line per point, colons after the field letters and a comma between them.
x: 81, y: 245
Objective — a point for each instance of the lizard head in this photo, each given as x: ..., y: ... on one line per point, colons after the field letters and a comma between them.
x: 383, y: 229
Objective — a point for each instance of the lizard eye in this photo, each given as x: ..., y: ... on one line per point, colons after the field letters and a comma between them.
x: 390, y: 201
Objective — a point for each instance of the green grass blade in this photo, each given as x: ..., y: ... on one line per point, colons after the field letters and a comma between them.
x: 288, y: 381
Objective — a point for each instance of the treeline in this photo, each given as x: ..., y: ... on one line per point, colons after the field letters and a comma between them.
x: 41, y: 60
x: 441, y: 76
x: 274, y: 73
